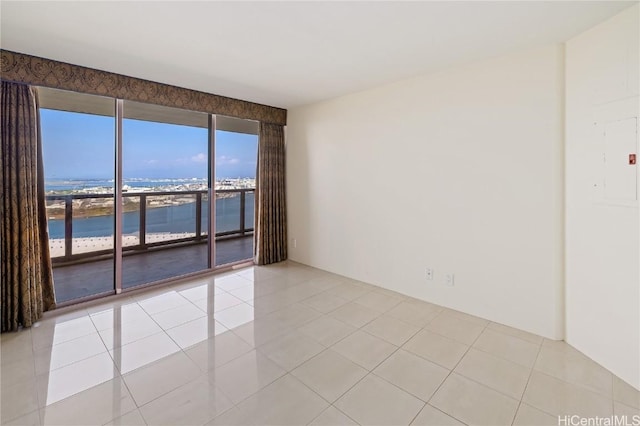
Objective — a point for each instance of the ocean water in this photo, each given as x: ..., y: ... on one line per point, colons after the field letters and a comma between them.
x: 169, y: 219
x: 80, y: 184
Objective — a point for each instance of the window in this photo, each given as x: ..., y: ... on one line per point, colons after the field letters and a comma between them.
x: 163, y: 166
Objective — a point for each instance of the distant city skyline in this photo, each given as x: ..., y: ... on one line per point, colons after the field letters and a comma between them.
x: 81, y: 146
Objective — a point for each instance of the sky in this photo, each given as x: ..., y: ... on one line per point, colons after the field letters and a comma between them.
x: 81, y: 146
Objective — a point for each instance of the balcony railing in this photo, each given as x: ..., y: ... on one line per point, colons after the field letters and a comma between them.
x: 143, y: 244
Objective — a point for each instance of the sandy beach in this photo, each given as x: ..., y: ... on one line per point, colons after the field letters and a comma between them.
x: 89, y: 244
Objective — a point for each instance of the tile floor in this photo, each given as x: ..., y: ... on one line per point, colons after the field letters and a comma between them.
x: 289, y: 344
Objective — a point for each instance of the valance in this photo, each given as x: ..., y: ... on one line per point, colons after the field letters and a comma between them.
x: 36, y: 71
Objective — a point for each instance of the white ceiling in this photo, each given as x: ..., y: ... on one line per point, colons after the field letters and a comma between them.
x: 287, y: 54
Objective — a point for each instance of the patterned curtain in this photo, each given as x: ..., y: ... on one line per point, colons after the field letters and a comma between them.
x: 26, y: 278
x: 270, y: 236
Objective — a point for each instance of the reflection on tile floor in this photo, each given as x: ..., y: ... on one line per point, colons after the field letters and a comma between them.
x: 289, y: 344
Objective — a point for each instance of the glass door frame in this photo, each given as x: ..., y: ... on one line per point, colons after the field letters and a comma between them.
x: 211, y: 225
x: 118, y: 202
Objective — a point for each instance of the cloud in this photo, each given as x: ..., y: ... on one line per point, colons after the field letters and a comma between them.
x: 222, y: 160
x: 225, y: 160
x: 199, y: 158
x: 151, y: 161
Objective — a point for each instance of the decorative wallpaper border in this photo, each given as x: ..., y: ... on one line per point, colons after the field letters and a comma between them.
x: 33, y: 70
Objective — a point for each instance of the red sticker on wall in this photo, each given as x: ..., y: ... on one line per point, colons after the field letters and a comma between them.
x: 632, y: 159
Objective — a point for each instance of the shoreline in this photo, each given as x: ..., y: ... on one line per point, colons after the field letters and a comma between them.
x: 90, y: 244
x: 175, y: 192
x: 91, y: 207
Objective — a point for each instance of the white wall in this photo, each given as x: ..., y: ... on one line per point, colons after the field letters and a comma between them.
x: 460, y: 171
x: 602, y: 281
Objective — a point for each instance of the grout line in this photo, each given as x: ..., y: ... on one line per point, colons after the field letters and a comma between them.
x: 369, y: 371
x: 418, y: 413
x: 339, y: 410
x: 505, y: 358
x: 494, y: 356
x: 582, y: 388
x: 504, y: 333
x: 454, y: 367
x: 385, y: 340
x: 446, y: 414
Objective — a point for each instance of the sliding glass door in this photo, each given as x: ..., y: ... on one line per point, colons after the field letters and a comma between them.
x: 78, y: 155
x: 165, y: 169
x: 236, y: 148
x: 130, y: 188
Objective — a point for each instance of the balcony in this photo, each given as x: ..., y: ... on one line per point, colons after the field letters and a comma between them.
x: 164, y: 235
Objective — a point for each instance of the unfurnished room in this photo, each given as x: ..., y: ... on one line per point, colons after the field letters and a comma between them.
x: 320, y: 213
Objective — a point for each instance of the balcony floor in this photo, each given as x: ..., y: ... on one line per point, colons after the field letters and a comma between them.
x: 91, y: 278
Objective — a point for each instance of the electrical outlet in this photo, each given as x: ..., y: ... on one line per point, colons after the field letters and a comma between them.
x: 449, y: 280
x: 429, y: 274
x: 295, y: 243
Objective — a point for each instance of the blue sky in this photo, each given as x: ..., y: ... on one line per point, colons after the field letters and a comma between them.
x: 80, y: 146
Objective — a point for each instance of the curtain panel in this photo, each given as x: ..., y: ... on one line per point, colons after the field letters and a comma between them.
x: 270, y: 235
x: 26, y: 276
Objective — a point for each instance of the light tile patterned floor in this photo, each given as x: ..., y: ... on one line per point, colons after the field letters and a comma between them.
x: 289, y: 344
